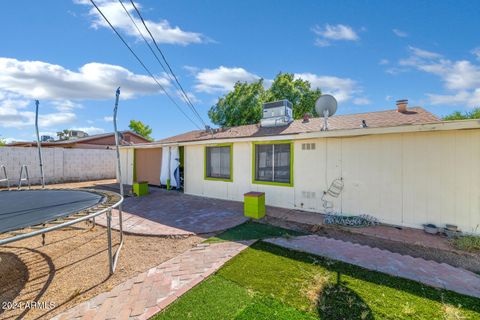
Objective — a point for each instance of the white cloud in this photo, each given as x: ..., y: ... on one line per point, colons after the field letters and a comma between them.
x: 461, y: 77
x: 343, y: 89
x: 13, y: 114
x: 90, y: 130
x: 424, y: 53
x: 384, y: 62
x: 339, y: 32
x: 462, y: 97
x: 361, y: 101
x: 190, y: 96
x: 162, y: 31
x: 41, y: 80
x: 10, y: 140
x: 400, y: 33
x: 222, y: 79
x: 66, y: 105
x: 108, y: 118
x: 476, y: 52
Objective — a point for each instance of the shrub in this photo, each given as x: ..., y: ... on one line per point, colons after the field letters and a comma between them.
x: 467, y: 243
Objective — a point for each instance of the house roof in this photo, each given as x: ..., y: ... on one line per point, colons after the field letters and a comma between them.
x: 387, y: 118
x: 78, y: 140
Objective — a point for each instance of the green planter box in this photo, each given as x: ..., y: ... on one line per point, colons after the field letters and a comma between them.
x: 254, y: 204
x: 140, y: 188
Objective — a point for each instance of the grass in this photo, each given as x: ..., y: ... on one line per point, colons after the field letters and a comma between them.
x: 467, y: 243
x: 253, y: 230
x: 269, y: 282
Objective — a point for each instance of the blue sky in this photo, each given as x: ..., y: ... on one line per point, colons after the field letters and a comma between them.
x: 367, y: 53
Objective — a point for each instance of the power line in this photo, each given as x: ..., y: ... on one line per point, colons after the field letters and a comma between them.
x: 143, y: 65
x: 175, y: 83
x: 165, y: 60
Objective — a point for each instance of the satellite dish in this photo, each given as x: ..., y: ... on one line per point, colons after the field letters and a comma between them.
x: 326, y: 106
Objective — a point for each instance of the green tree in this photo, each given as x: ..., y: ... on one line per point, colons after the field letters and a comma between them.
x: 457, y: 115
x: 297, y: 91
x: 2, y: 142
x: 141, y: 128
x: 243, y: 105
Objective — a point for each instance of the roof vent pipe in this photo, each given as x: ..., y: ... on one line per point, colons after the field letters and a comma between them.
x: 402, y: 105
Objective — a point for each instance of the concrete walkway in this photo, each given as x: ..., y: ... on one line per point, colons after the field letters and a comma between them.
x: 148, y: 293
x: 432, y: 273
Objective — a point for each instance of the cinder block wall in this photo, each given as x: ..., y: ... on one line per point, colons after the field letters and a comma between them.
x: 59, y: 165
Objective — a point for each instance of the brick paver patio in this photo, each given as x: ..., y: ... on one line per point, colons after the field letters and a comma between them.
x: 172, y: 214
x: 148, y: 293
x: 432, y: 273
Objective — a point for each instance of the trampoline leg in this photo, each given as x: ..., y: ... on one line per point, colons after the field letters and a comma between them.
x: 120, y: 222
x: 109, y: 236
x: 43, y: 237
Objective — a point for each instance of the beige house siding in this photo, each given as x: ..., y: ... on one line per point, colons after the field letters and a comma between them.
x: 404, y: 178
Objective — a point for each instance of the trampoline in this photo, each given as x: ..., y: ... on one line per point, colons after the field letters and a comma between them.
x: 27, y: 213
x: 23, y: 209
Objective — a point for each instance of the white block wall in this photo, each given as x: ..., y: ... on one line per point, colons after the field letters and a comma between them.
x: 59, y: 165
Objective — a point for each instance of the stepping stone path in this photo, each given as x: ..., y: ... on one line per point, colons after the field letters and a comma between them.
x: 432, y: 273
x: 148, y: 293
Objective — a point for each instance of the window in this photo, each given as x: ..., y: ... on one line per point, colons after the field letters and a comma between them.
x: 273, y: 163
x: 218, y: 163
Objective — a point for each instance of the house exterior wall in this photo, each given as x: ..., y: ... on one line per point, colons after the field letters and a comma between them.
x: 405, y: 179
x: 59, y: 164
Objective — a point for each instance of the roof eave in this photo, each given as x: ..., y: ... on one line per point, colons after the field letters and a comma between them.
x: 422, y: 127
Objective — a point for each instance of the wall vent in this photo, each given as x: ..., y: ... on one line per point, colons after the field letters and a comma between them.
x: 308, y: 194
x: 308, y: 146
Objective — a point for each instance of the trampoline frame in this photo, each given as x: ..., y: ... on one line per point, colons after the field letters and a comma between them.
x: 112, y: 257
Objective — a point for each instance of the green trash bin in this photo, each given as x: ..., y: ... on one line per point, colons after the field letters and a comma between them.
x: 140, y: 188
x: 254, y: 204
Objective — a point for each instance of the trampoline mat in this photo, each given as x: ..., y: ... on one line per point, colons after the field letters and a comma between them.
x: 22, y: 209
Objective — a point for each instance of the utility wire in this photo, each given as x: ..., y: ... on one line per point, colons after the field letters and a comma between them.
x: 166, y: 62
x: 143, y: 65
x: 174, y: 81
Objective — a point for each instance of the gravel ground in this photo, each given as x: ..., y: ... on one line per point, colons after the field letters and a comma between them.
x: 73, y: 267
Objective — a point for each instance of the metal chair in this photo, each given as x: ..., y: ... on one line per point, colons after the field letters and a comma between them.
x: 5, y: 179
x: 26, y: 178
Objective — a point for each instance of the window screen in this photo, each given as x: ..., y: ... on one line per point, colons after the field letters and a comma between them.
x: 272, y: 162
x: 218, y: 162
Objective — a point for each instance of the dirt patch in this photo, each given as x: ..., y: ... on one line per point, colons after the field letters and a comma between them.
x: 73, y: 267
x: 466, y: 260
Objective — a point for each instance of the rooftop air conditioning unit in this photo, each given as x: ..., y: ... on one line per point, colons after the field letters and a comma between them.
x: 277, y: 113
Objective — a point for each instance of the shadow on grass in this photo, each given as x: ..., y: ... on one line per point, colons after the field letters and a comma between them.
x: 341, y: 295
x: 339, y: 302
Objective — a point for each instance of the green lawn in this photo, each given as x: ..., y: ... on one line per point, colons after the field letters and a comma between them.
x: 253, y: 230
x: 269, y: 282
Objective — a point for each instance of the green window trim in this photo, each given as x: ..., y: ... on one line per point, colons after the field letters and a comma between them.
x: 272, y: 183
x: 205, y: 162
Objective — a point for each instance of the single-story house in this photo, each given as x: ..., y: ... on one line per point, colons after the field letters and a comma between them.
x: 96, y: 141
x: 405, y: 166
